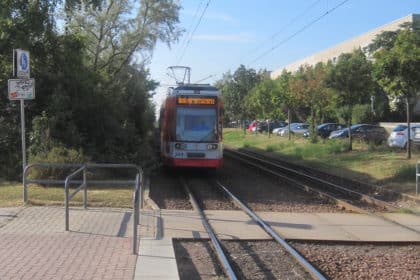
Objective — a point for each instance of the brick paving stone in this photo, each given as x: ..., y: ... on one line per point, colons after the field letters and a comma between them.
x: 34, y: 245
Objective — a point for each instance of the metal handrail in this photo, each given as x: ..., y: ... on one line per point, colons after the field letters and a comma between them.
x: 136, y: 210
x: 26, y: 181
x: 83, y: 184
x: 417, y: 177
x: 68, y: 196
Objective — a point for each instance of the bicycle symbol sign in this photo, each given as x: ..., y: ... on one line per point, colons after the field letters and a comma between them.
x: 22, y: 59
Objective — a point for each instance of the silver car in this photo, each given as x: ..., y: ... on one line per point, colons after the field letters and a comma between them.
x: 295, y: 128
x: 398, y: 137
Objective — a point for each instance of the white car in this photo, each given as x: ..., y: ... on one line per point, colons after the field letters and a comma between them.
x: 398, y: 137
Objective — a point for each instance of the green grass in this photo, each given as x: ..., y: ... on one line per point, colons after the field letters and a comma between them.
x: 374, y: 164
x: 11, y: 195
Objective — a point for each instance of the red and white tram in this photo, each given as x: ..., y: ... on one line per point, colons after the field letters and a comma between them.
x: 191, y: 127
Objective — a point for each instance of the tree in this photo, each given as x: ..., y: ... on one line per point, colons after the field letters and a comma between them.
x: 262, y: 101
x: 27, y: 25
x: 397, y: 71
x: 351, y: 79
x: 114, y: 34
x: 284, y: 95
x: 234, y: 90
x: 92, y: 96
x: 308, y: 86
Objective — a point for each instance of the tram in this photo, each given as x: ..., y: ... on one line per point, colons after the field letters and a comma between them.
x: 191, y: 127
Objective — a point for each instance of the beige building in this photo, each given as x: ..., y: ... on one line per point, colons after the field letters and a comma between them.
x: 348, y: 46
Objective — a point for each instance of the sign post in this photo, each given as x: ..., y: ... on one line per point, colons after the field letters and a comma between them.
x: 21, y: 89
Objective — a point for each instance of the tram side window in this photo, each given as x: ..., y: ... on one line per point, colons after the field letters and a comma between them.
x: 194, y: 124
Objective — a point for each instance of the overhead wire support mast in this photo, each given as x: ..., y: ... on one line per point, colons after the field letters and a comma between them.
x: 299, y: 31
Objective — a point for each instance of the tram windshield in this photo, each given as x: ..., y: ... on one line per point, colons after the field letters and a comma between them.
x: 198, y: 125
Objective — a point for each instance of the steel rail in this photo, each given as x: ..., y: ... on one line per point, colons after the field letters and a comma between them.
x: 301, y: 260
x: 215, y: 241
x: 322, y: 194
x: 305, y: 187
x: 364, y: 197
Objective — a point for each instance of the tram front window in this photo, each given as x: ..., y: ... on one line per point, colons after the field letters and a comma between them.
x: 198, y: 125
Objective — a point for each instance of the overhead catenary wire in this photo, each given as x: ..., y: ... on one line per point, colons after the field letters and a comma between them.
x: 306, y: 26
x: 208, y: 77
x: 273, y: 36
x: 192, y: 33
x: 185, y: 39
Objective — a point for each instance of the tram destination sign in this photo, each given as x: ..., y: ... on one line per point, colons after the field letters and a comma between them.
x: 196, y: 100
x: 21, y: 89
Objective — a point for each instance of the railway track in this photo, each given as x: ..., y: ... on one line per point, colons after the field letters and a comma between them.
x: 350, y: 199
x: 217, y: 244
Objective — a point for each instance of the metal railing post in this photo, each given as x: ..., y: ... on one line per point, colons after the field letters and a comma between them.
x: 66, y: 191
x: 135, y: 213
x: 140, y: 189
x: 25, y: 187
x: 417, y: 178
x: 85, y: 197
x: 68, y: 194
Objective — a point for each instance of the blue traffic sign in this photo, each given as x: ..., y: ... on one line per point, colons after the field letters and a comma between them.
x: 23, y: 61
x: 22, y: 64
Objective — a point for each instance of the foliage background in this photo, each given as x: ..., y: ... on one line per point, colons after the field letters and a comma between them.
x: 93, y: 89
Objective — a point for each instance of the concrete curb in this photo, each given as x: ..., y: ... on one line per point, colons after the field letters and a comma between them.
x: 146, y: 195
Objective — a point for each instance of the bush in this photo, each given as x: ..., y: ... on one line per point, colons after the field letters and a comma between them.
x: 362, y: 114
x: 405, y: 171
x: 55, y: 155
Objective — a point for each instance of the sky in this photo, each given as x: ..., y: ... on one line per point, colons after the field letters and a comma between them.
x: 260, y: 33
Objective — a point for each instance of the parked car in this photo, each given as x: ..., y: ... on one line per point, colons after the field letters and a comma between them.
x: 280, y: 126
x: 263, y: 126
x: 295, y: 128
x: 324, y: 130
x: 365, y: 132
x: 277, y: 124
x: 399, y: 135
x: 252, y: 126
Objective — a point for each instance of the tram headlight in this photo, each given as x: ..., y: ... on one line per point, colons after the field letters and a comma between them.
x: 212, y: 147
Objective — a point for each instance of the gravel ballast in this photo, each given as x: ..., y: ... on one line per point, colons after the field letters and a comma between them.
x: 264, y: 259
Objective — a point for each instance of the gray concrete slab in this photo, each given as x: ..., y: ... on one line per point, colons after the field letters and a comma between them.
x: 156, y: 260
x: 323, y: 226
x: 160, y: 226
x: 409, y: 220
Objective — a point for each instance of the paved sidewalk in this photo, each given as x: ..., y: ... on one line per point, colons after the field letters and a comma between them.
x: 34, y: 245
x: 8, y: 214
